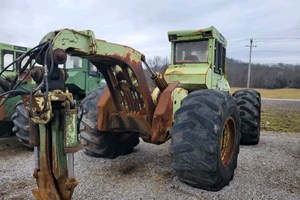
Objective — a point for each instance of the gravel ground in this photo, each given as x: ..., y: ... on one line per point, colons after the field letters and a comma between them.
x: 269, y: 170
x: 290, y: 104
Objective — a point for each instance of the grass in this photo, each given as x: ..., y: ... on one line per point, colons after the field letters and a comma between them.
x: 279, y: 119
x: 285, y: 93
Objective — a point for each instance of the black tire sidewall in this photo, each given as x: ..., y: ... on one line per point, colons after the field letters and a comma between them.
x: 201, y: 165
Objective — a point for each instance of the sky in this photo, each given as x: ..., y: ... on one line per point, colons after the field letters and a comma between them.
x: 274, y: 25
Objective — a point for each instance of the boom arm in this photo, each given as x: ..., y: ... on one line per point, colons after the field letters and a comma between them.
x: 122, y: 69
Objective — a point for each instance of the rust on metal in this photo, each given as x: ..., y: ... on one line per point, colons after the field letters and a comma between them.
x: 2, y: 111
x: 34, y: 138
x: 37, y: 74
x: 200, y: 31
x: 47, y: 186
x: 126, y: 106
x: 52, y: 175
x: 162, y: 118
x: 142, y: 86
x: 228, y: 141
x: 105, y: 108
x: 39, y: 112
x: 160, y: 82
x: 70, y: 130
x: 59, y: 56
x: 71, y: 183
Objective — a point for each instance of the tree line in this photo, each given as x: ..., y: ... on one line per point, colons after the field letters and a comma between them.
x: 269, y: 76
x: 263, y: 75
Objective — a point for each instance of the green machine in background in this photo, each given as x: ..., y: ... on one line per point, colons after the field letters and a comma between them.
x: 8, y: 54
x: 82, y: 78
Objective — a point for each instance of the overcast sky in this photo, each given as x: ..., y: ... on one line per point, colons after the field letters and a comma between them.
x: 143, y: 25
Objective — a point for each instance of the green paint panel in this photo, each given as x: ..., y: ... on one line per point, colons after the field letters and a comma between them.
x: 76, y: 80
x: 197, y: 61
x: 178, y: 95
x: 207, y: 70
x: 84, y: 42
x: 71, y: 129
x: 59, y: 161
x: 200, y: 34
x: 191, y: 76
x: 43, y: 138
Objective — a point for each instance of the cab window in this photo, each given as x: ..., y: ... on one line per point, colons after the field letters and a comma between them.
x: 24, y: 61
x: 220, y: 58
x: 73, y: 62
x: 191, y: 52
x: 8, y: 58
x: 93, y: 71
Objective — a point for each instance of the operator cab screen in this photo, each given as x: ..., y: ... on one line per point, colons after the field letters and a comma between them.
x: 191, y: 52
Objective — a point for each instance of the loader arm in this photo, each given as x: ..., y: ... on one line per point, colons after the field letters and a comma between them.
x: 121, y: 66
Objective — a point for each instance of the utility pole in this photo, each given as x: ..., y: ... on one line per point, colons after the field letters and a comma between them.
x: 249, y: 66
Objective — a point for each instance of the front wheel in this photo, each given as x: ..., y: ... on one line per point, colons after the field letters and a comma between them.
x: 205, y: 139
x: 99, y: 144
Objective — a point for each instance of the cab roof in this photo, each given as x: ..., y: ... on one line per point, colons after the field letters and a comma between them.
x: 186, y: 35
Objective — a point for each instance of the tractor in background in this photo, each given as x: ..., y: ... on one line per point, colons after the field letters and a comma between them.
x: 191, y: 106
x: 82, y: 78
x: 9, y: 55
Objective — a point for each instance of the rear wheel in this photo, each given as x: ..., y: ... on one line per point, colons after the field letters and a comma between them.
x: 205, y: 139
x: 21, y: 124
x: 249, y: 105
x: 99, y: 144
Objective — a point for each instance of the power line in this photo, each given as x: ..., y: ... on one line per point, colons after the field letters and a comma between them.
x: 249, y: 66
x: 237, y: 40
x: 278, y: 38
x: 277, y: 51
x: 264, y: 38
x: 156, y: 50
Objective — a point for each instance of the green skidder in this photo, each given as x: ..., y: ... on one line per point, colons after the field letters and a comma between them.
x: 208, y: 122
x: 191, y: 105
x: 8, y: 59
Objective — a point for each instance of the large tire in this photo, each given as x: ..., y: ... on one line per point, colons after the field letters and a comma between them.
x: 205, y: 139
x: 21, y: 124
x: 99, y: 144
x: 249, y: 105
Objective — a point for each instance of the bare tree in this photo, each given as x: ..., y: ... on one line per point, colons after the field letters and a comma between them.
x: 157, y: 64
